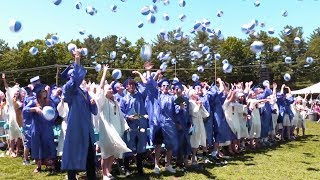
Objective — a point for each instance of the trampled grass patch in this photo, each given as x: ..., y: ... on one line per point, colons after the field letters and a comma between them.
x: 298, y: 159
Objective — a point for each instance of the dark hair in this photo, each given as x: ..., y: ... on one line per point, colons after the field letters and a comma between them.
x: 131, y: 82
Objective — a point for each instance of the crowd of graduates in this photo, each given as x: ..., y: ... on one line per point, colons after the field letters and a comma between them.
x: 139, y: 119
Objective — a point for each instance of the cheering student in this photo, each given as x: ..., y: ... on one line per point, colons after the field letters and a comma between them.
x: 112, y: 126
x: 284, y: 101
x: 208, y: 121
x: 78, y: 150
x: 12, y: 94
x: 133, y: 108
x: 42, y: 137
x: 27, y: 121
x: 184, y: 125
x: 301, y: 114
x: 234, y: 114
x: 161, y: 110
x: 63, y: 111
x: 222, y: 132
x: 198, y: 114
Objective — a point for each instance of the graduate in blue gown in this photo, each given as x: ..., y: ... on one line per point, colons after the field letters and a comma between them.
x: 161, y: 110
x: 222, y: 132
x: 183, y: 124
x: 78, y: 151
x: 284, y: 101
x: 265, y: 112
x: 27, y: 121
x: 133, y: 107
x: 42, y: 137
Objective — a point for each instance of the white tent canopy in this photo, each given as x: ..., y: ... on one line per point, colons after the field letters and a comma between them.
x: 311, y: 89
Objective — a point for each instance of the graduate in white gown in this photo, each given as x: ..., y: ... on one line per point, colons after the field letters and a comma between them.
x: 300, y: 110
x: 198, y: 114
x: 275, y: 111
x: 15, y: 134
x: 234, y: 114
x: 254, y: 107
x: 63, y: 110
x: 112, y: 126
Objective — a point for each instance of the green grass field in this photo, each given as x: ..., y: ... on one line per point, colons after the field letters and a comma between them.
x: 298, y: 159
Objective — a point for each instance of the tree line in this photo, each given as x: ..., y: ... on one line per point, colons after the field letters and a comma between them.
x: 247, y: 65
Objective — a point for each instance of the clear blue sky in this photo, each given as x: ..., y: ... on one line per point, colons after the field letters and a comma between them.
x: 40, y: 17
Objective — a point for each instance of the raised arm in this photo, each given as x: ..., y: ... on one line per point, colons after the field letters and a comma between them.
x: 282, y: 88
x: 143, y: 79
x: 289, y: 89
x: 103, y: 78
x: 221, y: 85
x: 274, y: 91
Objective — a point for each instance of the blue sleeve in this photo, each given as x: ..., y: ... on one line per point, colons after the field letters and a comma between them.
x: 93, y: 107
x: 290, y: 100
x: 265, y: 94
x: 71, y: 87
x: 123, y: 106
x: 151, y: 88
x: 174, y: 110
x: 26, y: 109
x: 142, y: 90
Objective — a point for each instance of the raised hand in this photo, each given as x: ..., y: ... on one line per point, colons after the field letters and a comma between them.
x: 77, y: 54
x: 92, y: 102
x: 135, y: 72
x: 105, y: 67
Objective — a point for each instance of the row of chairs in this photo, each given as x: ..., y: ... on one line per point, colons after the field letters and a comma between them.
x: 3, y: 130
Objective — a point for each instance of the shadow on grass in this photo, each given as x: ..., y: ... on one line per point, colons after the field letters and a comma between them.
x: 313, y: 169
x: 304, y: 162
x: 246, y: 157
x: 309, y: 155
x: 200, y: 169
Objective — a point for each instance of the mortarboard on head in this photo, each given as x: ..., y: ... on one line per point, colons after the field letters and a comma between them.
x: 38, y: 88
x: 54, y: 86
x: 35, y: 79
x: 175, y: 81
x: 67, y: 73
x: 197, y: 83
x: 178, y: 85
x: 164, y: 82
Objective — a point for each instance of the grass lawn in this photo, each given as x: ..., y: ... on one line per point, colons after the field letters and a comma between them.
x: 298, y: 159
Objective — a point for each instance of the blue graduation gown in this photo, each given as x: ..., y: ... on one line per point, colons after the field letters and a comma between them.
x: 134, y: 104
x: 222, y: 131
x: 42, y: 136
x: 265, y: 114
x: 80, y: 128
x: 184, y: 120
x: 161, y: 109
x: 27, y: 121
x: 284, y: 106
x: 118, y: 96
